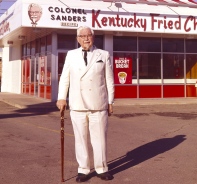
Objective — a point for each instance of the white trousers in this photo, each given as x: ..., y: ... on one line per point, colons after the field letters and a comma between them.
x: 96, y: 122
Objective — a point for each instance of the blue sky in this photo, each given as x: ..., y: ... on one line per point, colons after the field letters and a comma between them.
x: 5, y: 4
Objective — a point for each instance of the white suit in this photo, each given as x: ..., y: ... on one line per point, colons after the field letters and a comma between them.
x: 91, y: 89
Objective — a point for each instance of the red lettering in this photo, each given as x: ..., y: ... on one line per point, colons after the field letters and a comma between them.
x: 186, y: 22
x: 4, y: 27
x: 143, y: 24
x: 170, y: 23
x: 195, y: 23
x: 104, y: 21
x: 94, y: 18
x: 117, y: 21
x: 130, y: 22
x: 177, y: 23
x: 124, y: 22
x: 153, y: 20
x: 136, y: 21
x: 159, y: 23
x: 165, y: 25
x: 112, y: 21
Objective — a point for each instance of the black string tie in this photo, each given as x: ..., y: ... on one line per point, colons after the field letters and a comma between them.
x: 85, y: 56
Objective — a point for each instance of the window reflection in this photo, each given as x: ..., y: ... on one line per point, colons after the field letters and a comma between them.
x: 173, y: 45
x: 43, y: 44
x: 149, y: 66
x: 33, y: 47
x: 173, y: 66
x: 49, y: 43
x: 98, y: 41
x: 66, y: 41
x: 29, y: 48
x: 125, y: 43
x: 191, y: 46
x: 150, y: 44
x: 191, y: 66
x: 24, y: 50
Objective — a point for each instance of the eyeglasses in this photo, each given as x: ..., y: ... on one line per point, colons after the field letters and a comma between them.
x: 34, y: 12
x: 84, y: 36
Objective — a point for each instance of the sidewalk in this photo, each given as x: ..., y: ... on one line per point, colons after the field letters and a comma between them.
x: 22, y: 101
x: 25, y: 101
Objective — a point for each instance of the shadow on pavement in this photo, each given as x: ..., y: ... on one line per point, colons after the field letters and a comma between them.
x: 143, y: 153
x: 31, y: 110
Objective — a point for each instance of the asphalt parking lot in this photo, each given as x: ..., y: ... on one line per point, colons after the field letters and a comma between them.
x: 147, y: 144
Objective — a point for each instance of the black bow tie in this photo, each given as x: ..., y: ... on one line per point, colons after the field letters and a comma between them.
x: 85, y: 56
x: 85, y: 50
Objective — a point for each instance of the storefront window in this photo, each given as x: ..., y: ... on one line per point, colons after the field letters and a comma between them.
x: 33, y: 76
x: 125, y: 43
x: 24, y: 50
x: 66, y: 41
x: 149, y: 44
x: 173, y: 45
x: 48, y: 77
x: 38, y: 48
x: 42, y: 76
x: 49, y: 43
x: 191, y: 66
x: 149, y: 66
x: 28, y: 49
x: 173, y: 66
x: 36, y: 68
x: 98, y: 41
x: 43, y: 44
x: 191, y: 45
x: 33, y: 47
x: 26, y: 75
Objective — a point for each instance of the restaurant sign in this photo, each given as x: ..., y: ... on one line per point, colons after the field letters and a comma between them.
x: 61, y: 16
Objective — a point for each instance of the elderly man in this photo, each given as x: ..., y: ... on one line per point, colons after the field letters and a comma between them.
x: 88, y: 75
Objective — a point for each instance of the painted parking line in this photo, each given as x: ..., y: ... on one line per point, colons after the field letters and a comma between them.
x: 57, y: 131
x: 48, y: 129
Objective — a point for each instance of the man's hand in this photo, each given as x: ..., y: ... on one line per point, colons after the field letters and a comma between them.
x: 61, y: 104
x: 110, y: 109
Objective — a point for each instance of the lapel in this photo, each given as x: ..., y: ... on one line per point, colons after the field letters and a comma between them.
x: 96, y: 53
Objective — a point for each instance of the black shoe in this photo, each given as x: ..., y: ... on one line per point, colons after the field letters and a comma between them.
x: 105, y: 176
x: 81, y: 178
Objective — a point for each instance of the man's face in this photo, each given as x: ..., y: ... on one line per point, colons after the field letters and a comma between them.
x: 34, y: 14
x: 85, y: 38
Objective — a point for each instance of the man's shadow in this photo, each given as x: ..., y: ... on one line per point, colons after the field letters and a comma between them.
x: 143, y: 153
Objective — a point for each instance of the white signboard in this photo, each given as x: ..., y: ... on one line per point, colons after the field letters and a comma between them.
x: 63, y: 17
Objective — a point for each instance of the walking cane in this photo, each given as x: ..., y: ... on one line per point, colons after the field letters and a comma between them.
x: 62, y: 145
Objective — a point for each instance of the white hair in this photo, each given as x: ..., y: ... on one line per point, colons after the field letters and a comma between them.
x: 35, y: 5
x: 84, y: 27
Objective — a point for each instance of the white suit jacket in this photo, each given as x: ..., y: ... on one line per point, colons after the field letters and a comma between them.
x: 90, y: 87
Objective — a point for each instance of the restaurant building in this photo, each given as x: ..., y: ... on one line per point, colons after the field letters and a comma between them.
x: 152, y: 44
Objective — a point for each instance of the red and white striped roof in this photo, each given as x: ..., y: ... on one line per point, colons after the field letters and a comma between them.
x: 185, y: 3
